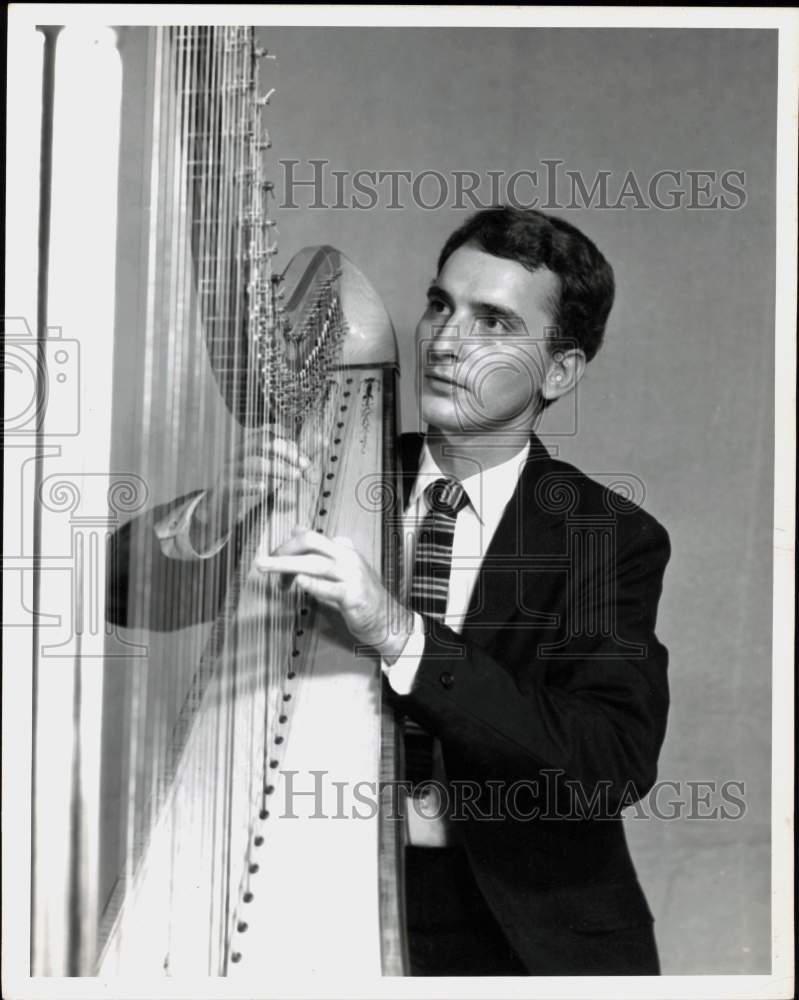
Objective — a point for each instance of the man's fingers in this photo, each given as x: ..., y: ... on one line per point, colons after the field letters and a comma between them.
x: 250, y: 492
x: 266, y: 445
x: 313, y: 439
x: 303, y: 540
x: 290, y: 452
x: 242, y: 485
x: 305, y: 552
x: 254, y: 467
x: 324, y: 591
x: 308, y: 564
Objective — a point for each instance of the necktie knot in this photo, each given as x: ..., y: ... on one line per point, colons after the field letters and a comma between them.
x: 446, y: 496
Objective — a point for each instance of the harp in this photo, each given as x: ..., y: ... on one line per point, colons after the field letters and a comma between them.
x: 197, y: 726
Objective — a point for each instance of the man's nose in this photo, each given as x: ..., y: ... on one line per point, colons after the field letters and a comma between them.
x: 445, y: 342
x: 442, y: 354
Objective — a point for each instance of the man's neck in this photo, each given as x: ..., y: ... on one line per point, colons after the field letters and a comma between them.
x: 461, y: 455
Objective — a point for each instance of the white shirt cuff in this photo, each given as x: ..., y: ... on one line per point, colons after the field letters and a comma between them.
x: 402, y: 672
x: 173, y: 533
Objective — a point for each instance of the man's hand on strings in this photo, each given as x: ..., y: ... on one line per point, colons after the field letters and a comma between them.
x: 263, y: 464
x: 333, y: 572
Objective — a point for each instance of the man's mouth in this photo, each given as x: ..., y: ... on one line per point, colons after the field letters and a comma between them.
x: 443, y: 380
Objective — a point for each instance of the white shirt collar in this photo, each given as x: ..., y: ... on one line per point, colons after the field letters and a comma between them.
x: 488, y: 490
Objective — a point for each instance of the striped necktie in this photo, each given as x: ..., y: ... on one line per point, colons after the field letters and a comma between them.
x: 433, y: 560
x: 429, y: 591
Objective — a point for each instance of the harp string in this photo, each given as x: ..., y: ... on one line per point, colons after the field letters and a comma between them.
x: 200, y: 782
x: 176, y: 414
x: 168, y: 418
x: 137, y: 672
x: 235, y: 690
x: 152, y: 448
x: 187, y: 45
x: 197, y: 224
x: 220, y: 330
x: 217, y: 297
x: 171, y: 335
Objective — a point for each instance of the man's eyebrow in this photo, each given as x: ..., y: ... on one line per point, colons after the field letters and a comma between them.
x: 483, y: 310
x: 486, y: 309
x: 435, y: 291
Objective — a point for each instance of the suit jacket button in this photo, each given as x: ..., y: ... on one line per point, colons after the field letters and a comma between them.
x: 447, y: 680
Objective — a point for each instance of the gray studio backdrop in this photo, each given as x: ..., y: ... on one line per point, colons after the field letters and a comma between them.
x: 681, y: 395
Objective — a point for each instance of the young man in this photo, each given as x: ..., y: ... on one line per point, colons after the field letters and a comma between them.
x: 522, y: 648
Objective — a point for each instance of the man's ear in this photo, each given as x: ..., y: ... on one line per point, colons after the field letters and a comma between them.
x: 564, y: 371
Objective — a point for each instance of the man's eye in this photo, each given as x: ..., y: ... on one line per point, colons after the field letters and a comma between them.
x: 494, y: 324
x: 436, y: 306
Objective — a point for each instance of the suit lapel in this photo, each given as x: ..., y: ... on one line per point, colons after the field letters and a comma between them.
x: 526, y: 533
x: 410, y: 452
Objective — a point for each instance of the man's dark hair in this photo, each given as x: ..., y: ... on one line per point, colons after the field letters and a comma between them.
x: 538, y: 240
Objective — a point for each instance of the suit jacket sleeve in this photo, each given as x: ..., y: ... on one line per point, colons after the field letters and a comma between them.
x: 145, y: 588
x: 593, y: 709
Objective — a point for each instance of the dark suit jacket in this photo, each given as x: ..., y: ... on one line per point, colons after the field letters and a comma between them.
x: 550, y: 706
x: 555, y: 691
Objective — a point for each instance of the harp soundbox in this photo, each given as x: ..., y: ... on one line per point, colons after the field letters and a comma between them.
x: 213, y: 755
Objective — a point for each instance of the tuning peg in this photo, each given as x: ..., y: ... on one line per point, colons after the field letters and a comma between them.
x: 262, y: 102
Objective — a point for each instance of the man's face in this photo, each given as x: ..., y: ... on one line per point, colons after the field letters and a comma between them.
x: 481, y: 348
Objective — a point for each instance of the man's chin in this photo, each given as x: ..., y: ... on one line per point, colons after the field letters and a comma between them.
x: 443, y: 417
x: 449, y: 422
x: 451, y: 429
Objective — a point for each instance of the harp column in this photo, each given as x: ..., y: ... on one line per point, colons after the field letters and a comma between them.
x: 69, y: 487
